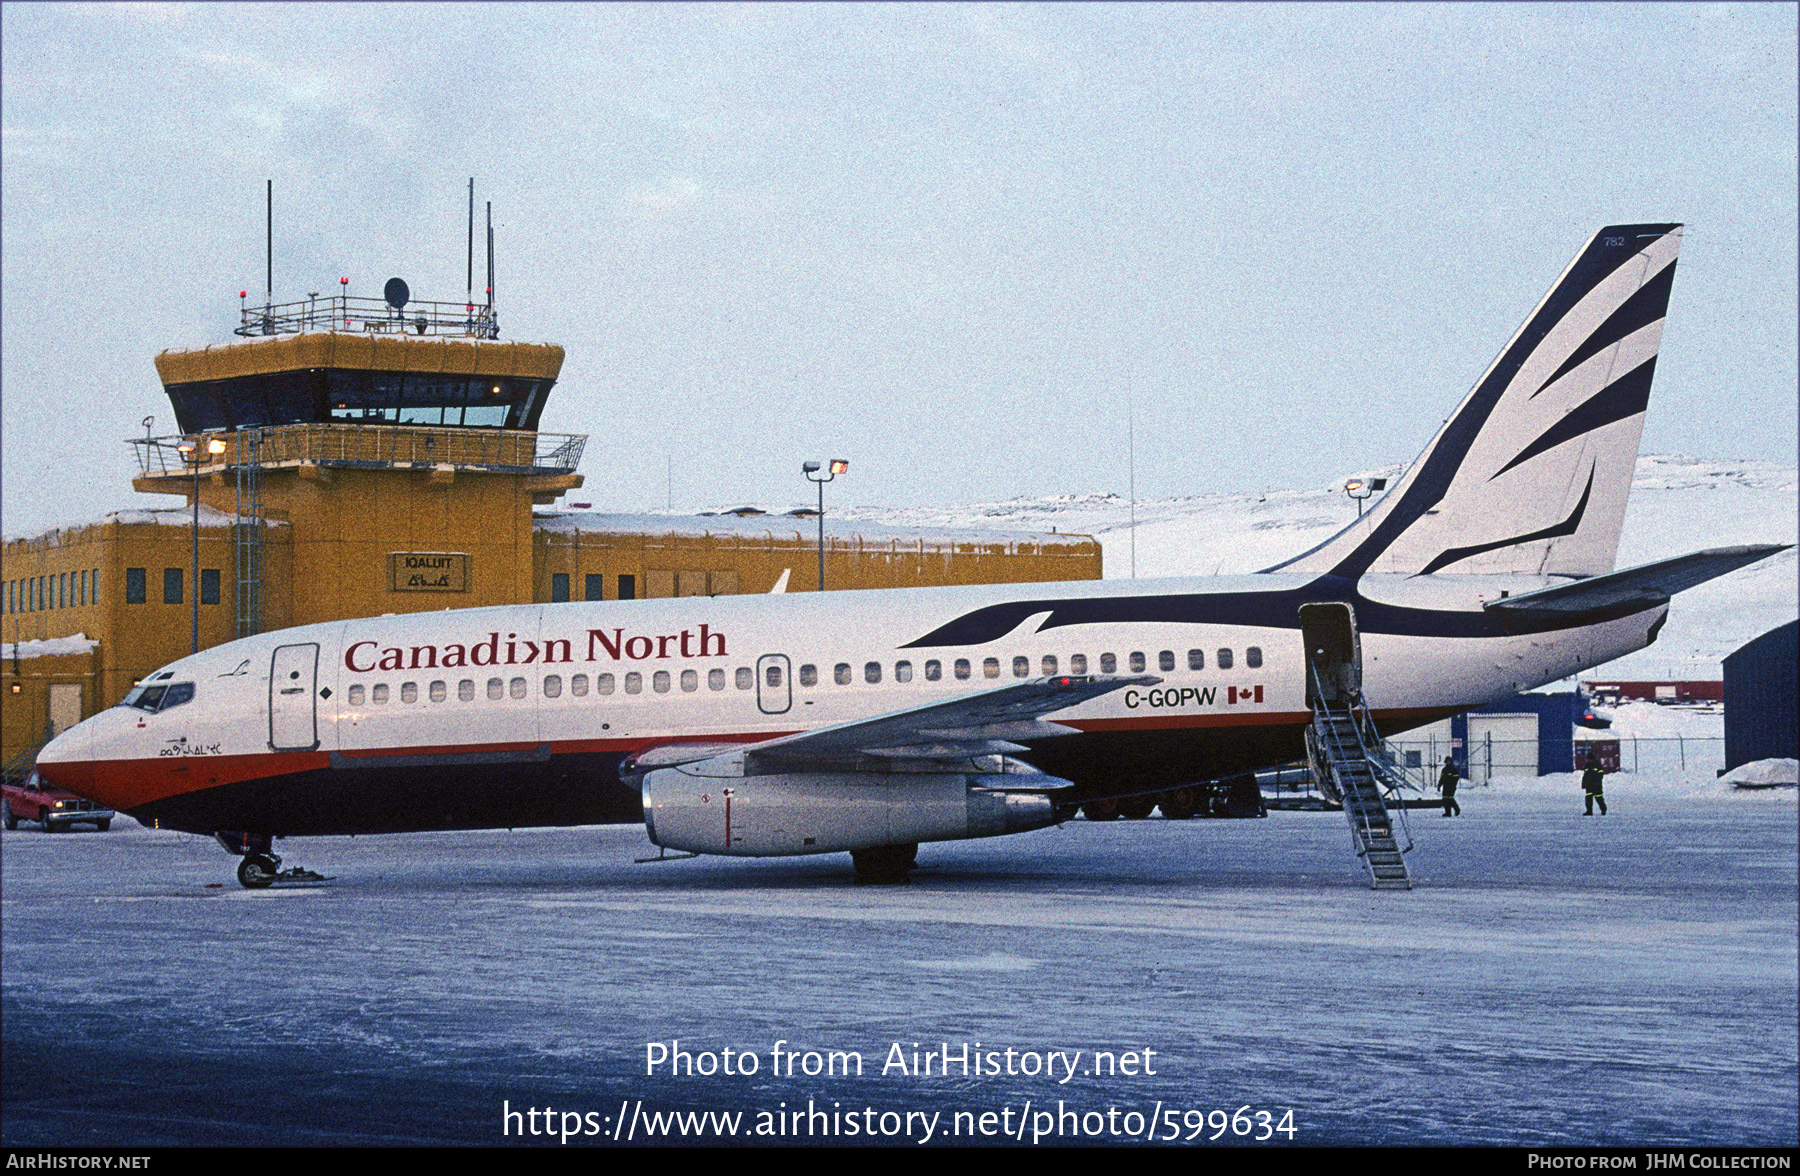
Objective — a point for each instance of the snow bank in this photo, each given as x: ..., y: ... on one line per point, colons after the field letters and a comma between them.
x: 1764, y: 774
x: 52, y: 647
x: 1650, y: 720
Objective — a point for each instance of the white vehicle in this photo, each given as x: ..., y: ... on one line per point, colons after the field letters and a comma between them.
x: 872, y: 721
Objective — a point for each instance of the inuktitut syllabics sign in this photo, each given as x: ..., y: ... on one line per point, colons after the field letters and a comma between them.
x: 428, y: 571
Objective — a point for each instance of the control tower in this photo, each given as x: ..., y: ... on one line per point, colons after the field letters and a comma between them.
x: 368, y: 456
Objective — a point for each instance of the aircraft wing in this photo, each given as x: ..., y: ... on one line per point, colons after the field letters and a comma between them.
x: 985, y: 723
x: 1634, y: 589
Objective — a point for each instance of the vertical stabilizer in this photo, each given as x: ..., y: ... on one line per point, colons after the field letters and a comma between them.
x: 1531, y: 473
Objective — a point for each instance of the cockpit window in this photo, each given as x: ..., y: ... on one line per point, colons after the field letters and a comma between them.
x: 158, y: 698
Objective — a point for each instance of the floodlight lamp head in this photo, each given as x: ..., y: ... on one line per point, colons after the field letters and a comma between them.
x: 811, y: 467
x: 839, y: 465
x: 216, y: 445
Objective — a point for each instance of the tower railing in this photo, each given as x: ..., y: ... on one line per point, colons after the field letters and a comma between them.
x: 341, y: 312
x: 371, y: 446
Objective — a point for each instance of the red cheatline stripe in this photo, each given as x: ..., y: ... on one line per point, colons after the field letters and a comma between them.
x: 131, y: 783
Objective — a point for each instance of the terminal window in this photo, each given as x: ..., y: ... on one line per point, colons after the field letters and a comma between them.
x: 595, y: 587
x: 559, y: 587
x: 134, y: 585
x: 171, y: 585
x: 209, y: 585
x: 627, y: 587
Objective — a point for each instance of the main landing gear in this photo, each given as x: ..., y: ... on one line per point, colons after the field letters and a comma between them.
x: 885, y: 864
x: 261, y: 867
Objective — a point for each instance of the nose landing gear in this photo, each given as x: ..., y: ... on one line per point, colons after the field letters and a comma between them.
x: 258, y: 870
x: 261, y: 866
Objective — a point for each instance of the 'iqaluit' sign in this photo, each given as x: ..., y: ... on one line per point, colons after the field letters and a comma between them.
x: 428, y: 571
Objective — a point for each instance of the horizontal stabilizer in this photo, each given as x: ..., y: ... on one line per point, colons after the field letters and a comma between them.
x: 1639, y: 587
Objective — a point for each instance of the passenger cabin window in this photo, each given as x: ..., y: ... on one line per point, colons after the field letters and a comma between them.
x: 379, y: 694
x: 1224, y: 659
x: 578, y: 685
x: 603, y: 683
x: 1166, y: 660
x: 634, y: 683
x: 990, y: 667
x: 1021, y: 667
x: 903, y: 671
x: 1078, y: 663
x: 357, y: 695
x: 690, y: 681
x: 659, y: 681
x: 1253, y: 657
x: 496, y: 689
x: 438, y: 692
x: 809, y: 675
x: 1109, y: 664
x: 840, y: 673
x: 772, y: 675
x: 1137, y: 663
x: 962, y: 669
x: 872, y: 672
x: 745, y: 678
x: 409, y: 692
x: 552, y: 685
x: 934, y: 670
x: 465, y: 690
x: 1196, y: 659
x: 715, y: 679
x: 1049, y: 667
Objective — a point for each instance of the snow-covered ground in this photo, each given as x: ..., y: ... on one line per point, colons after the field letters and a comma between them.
x: 1552, y: 980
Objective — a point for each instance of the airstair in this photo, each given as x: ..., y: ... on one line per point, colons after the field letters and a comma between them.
x: 1345, y: 751
x: 1351, y: 766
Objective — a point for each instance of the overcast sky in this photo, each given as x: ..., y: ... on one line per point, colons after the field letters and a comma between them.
x: 947, y: 243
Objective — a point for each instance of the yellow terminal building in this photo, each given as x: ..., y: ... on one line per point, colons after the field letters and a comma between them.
x: 353, y: 457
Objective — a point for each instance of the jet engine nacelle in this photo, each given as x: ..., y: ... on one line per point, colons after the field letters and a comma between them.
x: 707, y: 807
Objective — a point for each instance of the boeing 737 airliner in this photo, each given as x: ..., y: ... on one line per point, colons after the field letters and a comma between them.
x: 871, y: 721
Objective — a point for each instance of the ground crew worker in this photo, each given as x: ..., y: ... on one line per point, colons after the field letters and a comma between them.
x: 1447, y: 785
x: 1592, y: 778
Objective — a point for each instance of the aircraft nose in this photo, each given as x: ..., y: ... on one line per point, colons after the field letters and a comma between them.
x: 63, y: 760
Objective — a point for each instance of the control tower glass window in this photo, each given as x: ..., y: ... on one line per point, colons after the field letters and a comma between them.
x: 359, y: 397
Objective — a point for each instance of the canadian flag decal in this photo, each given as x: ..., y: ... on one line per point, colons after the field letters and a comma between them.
x: 1235, y: 694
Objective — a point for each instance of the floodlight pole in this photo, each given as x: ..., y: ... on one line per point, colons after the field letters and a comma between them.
x: 838, y: 466
x: 1362, y: 489
x: 190, y: 451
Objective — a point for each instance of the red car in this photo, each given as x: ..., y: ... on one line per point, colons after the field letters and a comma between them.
x: 33, y: 800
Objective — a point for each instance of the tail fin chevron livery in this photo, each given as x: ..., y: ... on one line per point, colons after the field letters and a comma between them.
x: 1530, y: 474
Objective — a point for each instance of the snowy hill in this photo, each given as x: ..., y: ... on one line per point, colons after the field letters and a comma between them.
x: 1678, y: 505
